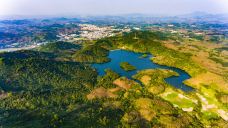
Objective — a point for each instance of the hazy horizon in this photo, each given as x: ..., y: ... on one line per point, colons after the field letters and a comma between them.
x: 108, y: 7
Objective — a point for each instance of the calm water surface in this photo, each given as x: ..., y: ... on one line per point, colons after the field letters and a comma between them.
x: 118, y: 56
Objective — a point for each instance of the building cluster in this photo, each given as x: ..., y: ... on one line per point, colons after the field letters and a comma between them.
x: 92, y: 32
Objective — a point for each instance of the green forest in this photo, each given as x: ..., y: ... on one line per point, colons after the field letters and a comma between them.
x: 48, y: 87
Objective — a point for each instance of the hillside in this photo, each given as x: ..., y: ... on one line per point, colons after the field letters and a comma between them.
x: 56, y: 86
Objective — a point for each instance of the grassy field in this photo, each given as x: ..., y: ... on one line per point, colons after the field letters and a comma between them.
x: 202, y: 54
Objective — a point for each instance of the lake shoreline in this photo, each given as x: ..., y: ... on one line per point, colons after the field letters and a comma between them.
x: 121, y: 55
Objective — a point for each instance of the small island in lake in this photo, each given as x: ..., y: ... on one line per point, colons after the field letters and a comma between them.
x: 127, y: 66
x: 144, y: 56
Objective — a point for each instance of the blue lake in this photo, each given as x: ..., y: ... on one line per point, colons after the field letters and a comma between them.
x: 118, y: 56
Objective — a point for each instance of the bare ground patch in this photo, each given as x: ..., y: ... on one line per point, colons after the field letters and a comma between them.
x: 124, y: 83
x: 3, y: 95
x: 146, y: 79
x: 101, y: 93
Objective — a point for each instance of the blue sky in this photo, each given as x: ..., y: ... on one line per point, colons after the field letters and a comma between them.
x: 110, y: 7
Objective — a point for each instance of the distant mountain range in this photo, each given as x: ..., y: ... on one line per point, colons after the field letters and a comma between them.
x: 192, y: 17
x: 132, y: 18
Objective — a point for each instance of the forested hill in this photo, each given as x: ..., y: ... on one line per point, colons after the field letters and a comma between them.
x: 39, y: 88
x: 56, y: 86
